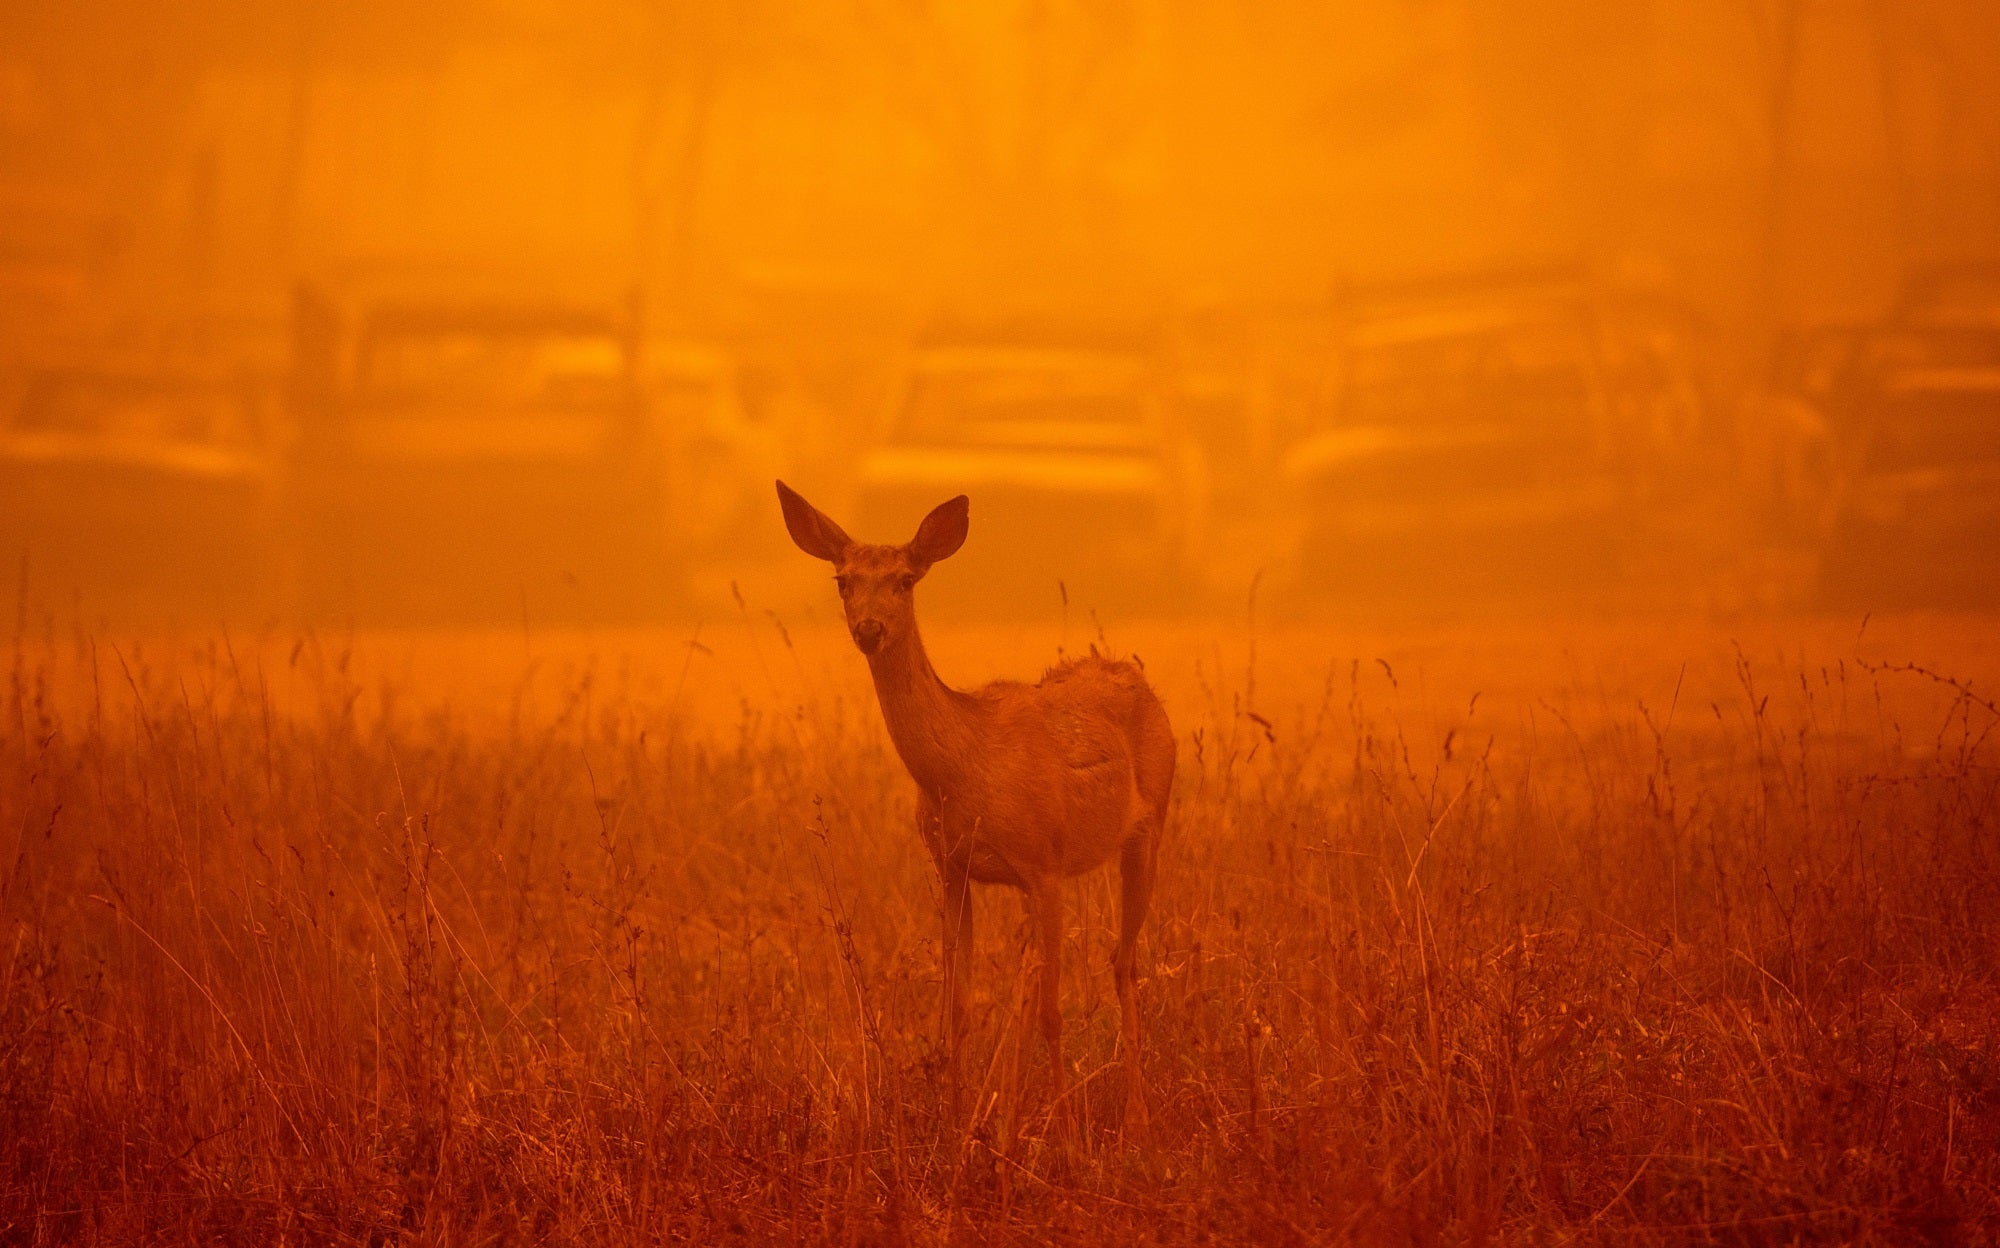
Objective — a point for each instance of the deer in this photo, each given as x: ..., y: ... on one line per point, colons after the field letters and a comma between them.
x: 1020, y: 785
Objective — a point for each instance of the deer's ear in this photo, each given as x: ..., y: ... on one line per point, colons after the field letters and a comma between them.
x: 941, y: 533
x: 810, y: 529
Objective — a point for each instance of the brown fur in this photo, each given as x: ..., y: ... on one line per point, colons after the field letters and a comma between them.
x: 1017, y: 784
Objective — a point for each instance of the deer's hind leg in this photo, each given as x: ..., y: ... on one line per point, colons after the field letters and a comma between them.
x: 1045, y: 907
x: 1135, y: 869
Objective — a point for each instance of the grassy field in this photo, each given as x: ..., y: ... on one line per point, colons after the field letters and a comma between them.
x: 1616, y: 933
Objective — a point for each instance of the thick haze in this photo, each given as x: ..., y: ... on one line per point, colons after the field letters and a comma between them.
x: 762, y: 236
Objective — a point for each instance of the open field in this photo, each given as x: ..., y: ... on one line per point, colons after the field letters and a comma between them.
x: 1598, y: 932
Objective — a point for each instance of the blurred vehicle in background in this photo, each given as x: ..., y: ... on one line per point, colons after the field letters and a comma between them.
x: 1246, y: 377
x: 488, y: 459
x: 141, y: 493
x: 1964, y: 294
x: 1894, y: 470
x: 1786, y: 462
x: 1517, y: 440
x: 1065, y: 443
x: 721, y: 454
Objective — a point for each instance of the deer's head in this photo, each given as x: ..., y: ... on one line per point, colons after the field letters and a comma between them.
x: 876, y: 582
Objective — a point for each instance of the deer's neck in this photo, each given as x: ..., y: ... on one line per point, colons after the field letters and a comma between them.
x: 929, y: 722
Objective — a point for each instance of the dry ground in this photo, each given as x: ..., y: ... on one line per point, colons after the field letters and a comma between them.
x: 1623, y: 933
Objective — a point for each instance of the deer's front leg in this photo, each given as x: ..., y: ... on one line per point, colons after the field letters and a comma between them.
x: 957, y: 960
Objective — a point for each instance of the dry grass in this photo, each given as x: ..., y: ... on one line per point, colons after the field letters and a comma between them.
x: 293, y: 948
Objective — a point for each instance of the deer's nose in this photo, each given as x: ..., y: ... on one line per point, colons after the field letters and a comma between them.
x: 868, y: 635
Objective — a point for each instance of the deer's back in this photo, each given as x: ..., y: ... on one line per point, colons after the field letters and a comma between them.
x: 1112, y: 688
x: 1117, y: 690
x: 1074, y: 761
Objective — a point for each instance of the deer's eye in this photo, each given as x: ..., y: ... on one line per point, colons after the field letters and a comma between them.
x: 906, y: 582
x: 840, y: 583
